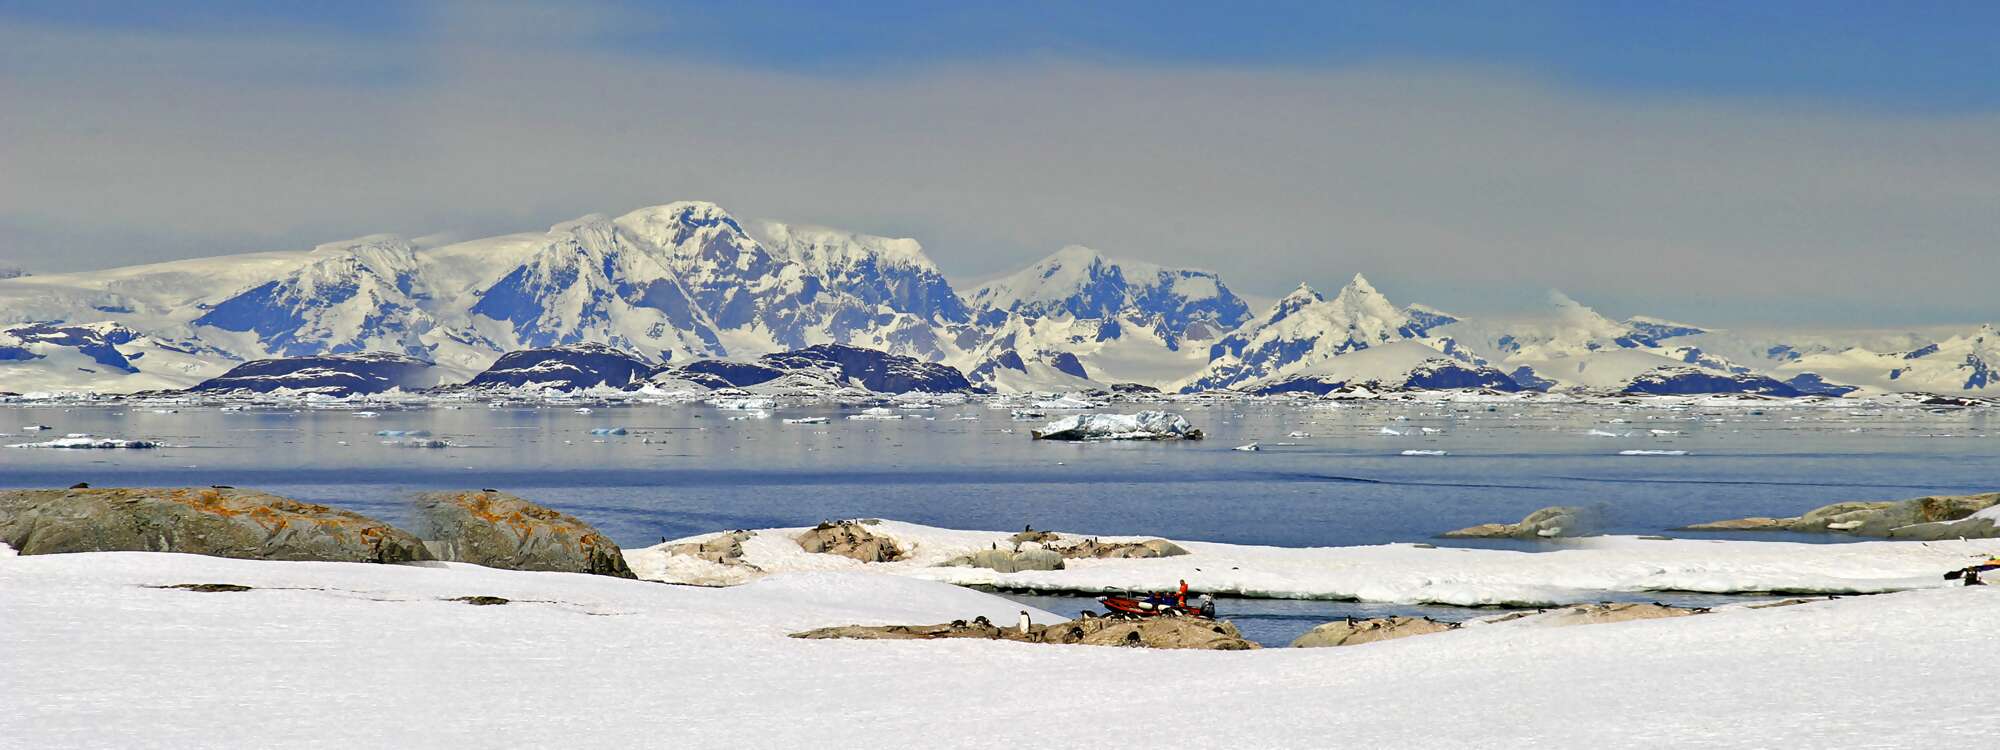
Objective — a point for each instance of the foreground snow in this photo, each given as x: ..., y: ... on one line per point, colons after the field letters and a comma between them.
x: 1395, y: 573
x: 343, y: 655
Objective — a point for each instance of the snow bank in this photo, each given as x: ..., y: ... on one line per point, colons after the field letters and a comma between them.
x: 1581, y: 571
x: 347, y: 655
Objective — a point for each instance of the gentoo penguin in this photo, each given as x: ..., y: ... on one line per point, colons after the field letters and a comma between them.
x: 1024, y: 622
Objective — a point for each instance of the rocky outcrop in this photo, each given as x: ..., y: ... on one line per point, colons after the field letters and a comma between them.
x: 1353, y: 632
x: 1158, y: 632
x: 1092, y: 548
x: 1010, y: 561
x: 723, y: 549
x: 328, y: 374
x: 1547, y: 523
x: 1602, y: 613
x: 1922, y: 518
x: 850, y: 539
x: 564, y: 368
x: 499, y: 530
x: 215, y: 521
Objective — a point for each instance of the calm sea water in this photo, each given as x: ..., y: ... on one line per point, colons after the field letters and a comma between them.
x: 689, y: 469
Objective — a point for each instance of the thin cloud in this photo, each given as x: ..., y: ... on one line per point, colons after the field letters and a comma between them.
x: 1468, y: 188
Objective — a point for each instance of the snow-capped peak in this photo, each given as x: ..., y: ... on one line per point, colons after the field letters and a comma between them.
x: 1301, y: 329
x: 1080, y: 282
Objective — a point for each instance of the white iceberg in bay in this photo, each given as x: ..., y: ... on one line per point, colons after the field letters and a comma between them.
x: 1145, y: 425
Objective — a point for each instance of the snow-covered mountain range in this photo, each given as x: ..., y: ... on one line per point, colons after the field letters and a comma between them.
x: 687, y: 282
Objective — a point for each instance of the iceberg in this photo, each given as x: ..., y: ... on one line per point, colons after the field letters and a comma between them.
x: 1145, y: 425
x: 807, y: 420
x: 1424, y: 453
x: 1652, y: 453
x: 85, y: 440
x: 742, y: 404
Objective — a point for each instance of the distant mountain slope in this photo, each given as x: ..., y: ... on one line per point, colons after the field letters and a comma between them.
x: 688, y: 281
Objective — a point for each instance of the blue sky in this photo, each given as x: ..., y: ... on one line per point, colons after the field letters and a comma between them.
x: 1789, y: 161
x: 1934, y: 56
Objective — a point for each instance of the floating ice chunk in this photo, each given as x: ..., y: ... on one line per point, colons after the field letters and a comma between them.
x: 583, y: 410
x: 1299, y: 434
x: 1247, y: 447
x: 1431, y: 430
x: 85, y: 440
x: 1028, y: 414
x: 1665, y: 432
x: 1424, y: 453
x: 420, y: 444
x: 403, y: 433
x: 1602, y: 433
x: 34, y: 428
x: 1387, y: 431
x: 609, y: 431
x: 366, y: 414
x: 1145, y: 425
x: 807, y: 420
x: 1066, y: 402
x: 742, y: 404
x: 1652, y: 453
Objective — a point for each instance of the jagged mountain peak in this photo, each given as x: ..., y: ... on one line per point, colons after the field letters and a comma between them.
x: 1081, y: 282
x: 826, y: 247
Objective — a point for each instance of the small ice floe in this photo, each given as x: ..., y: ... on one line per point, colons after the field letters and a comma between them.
x: 1593, y: 432
x: 609, y: 431
x: 419, y: 443
x: 1065, y: 402
x: 966, y: 418
x: 1028, y: 414
x: 366, y: 414
x: 1299, y: 434
x: 86, y: 440
x: 1145, y: 425
x: 582, y: 410
x: 807, y: 420
x: 403, y: 433
x: 1387, y: 431
x: 1652, y: 453
x: 1665, y: 432
x: 1432, y: 430
x: 876, y: 413
x: 34, y: 427
x: 1424, y: 453
x: 1618, y: 420
x: 166, y: 411
x: 1246, y: 447
x: 742, y: 404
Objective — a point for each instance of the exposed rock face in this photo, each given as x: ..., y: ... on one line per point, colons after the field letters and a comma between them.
x: 564, y: 368
x: 1092, y: 548
x: 1547, y: 523
x: 1352, y: 632
x: 850, y: 539
x: 1158, y: 632
x: 724, y: 549
x: 499, y: 530
x: 329, y: 374
x: 220, y: 522
x: 1922, y: 518
x: 1010, y: 561
x: 1599, y: 614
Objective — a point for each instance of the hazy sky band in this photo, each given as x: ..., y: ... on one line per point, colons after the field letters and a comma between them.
x: 1744, y: 161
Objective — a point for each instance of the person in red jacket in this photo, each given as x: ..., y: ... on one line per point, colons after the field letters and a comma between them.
x: 1180, y: 597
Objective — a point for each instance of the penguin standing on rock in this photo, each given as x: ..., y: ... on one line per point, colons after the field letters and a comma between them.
x: 1024, y: 622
